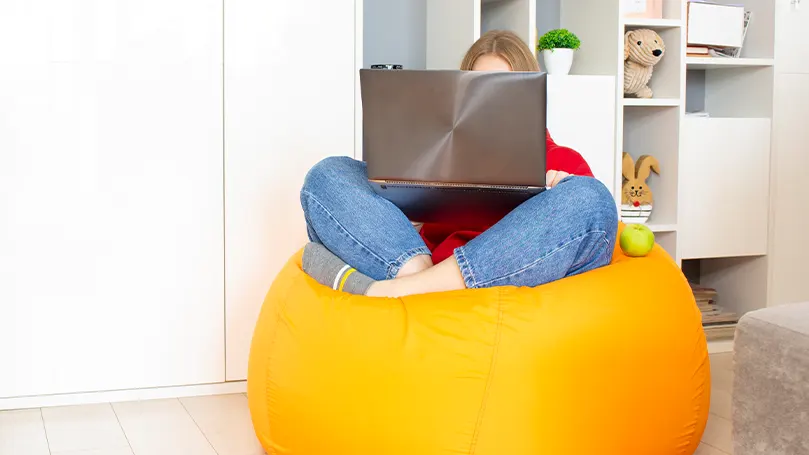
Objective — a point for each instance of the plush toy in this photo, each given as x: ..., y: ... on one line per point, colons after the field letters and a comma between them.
x: 642, y: 50
x: 636, y: 197
x: 636, y: 191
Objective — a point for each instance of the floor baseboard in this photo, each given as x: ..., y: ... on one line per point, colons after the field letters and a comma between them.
x: 112, y: 396
x: 720, y: 346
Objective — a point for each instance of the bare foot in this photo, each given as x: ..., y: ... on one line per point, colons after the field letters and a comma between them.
x: 415, y: 265
x: 443, y: 277
x: 386, y: 288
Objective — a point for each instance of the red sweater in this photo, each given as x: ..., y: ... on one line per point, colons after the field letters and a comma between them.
x: 442, y: 239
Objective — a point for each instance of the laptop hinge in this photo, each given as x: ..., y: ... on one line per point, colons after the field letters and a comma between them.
x: 452, y: 185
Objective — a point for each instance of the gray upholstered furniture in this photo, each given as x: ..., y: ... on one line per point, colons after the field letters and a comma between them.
x: 771, y: 382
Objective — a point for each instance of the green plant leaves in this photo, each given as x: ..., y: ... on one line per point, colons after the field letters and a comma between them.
x: 559, y: 38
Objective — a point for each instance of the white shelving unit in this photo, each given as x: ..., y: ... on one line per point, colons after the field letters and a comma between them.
x: 725, y: 231
x: 651, y: 102
x: 662, y: 227
x: 657, y: 24
x: 692, y: 198
x: 643, y: 126
x: 704, y: 63
x: 712, y: 201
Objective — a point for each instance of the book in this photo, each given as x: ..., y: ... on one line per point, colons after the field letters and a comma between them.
x: 720, y: 331
x: 700, y: 288
x: 697, y: 50
x: 717, y: 322
x: 713, y: 319
x: 702, y: 293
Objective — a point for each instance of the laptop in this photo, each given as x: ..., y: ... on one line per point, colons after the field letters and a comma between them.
x: 454, y: 146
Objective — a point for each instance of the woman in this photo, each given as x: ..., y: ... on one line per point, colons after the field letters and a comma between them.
x: 363, y: 244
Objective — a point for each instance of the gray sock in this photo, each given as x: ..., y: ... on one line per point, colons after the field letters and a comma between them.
x: 329, y: 270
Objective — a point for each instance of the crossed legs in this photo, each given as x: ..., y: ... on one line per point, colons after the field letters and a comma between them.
x: 564, y: 231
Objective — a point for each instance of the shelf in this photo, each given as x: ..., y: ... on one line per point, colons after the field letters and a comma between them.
x: 660, y: 227
x: 705, y: 63
x: 651, y: 102
x: 652, y: 23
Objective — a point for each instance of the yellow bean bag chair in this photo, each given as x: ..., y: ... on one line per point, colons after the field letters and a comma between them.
x: 610, y: 362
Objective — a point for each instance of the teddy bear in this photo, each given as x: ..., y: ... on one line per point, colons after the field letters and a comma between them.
x: 642, y: 50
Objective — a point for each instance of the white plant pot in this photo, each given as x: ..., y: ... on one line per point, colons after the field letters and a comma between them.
x: 637, y: 215
x: 558, y: 61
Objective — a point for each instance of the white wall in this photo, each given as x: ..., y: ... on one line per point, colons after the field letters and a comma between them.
x: 548, y: 15
x: 395, y: 31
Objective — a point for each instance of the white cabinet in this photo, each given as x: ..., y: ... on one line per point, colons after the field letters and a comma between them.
x: 581, y: 115
x: 290, y: 92
x: 724, y: 191
x: 111, y: 242
x: 791, y: 36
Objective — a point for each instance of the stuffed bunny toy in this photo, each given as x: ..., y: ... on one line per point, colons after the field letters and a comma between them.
x: 635, y: 191
x: 642, y: 50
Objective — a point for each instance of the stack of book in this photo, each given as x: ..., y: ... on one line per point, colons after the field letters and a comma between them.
x: 716, y: 321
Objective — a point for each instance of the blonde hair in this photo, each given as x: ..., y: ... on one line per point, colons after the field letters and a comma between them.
x: 504, y: 44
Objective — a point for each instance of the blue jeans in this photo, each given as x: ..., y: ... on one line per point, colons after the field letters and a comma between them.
x: 560, y: 232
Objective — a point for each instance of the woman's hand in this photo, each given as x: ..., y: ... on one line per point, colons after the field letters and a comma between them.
x: 554, y: 177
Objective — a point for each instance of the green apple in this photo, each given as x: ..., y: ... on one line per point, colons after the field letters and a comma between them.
x: 637, y: 240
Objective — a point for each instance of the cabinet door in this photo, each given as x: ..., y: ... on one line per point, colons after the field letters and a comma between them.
x: 790, y: 197
x: 290, y: 72
x: 791, y: 36
x: 585, y: 103
x: 111, y: 242
x: 724, y: 187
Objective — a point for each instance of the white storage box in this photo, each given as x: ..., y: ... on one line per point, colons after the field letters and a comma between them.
x: 713, y: 24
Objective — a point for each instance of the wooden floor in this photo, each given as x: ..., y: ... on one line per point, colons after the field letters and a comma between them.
x: 217, y: 425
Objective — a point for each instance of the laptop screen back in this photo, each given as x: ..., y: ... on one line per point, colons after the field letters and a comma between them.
x: 455, y: 126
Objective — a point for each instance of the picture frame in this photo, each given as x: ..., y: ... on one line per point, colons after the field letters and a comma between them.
x: 642, y: 9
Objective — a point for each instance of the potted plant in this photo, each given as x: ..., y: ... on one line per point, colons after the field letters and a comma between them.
x: 557, y: 48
